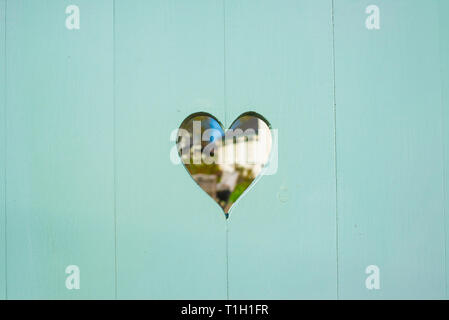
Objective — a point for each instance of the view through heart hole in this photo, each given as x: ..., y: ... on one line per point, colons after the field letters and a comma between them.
x: 224, y: 163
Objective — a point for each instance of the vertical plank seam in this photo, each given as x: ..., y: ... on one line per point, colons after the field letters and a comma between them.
x: 443, y: 131
x: 335, y: 149
x: 444, y: 145
x: 224, y: 66
x: 227, y: 259
x: 5, y: 157
x: 114, y: 152
x: 226, y: 125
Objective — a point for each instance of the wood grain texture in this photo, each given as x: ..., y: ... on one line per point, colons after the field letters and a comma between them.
x: 282, y: 234
x: 2, y: 150
x: 60, y: 150
x: 389, y: 150
x: 170, y: 234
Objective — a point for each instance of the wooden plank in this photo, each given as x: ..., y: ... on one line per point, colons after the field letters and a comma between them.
x: 443, y: 9
x: 60, y: 150
x: 389, y: 152
x: 282, y: 234
x: 2, y: 150
x: 170, y: 234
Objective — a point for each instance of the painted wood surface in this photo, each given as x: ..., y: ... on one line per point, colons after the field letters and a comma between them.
x: 2, y: 151
x: 85, y: 170
x: 389, y: 151
x: 443, y: 9
x: 282, y: 233
x: 171, y: 239
x: 60, y: 196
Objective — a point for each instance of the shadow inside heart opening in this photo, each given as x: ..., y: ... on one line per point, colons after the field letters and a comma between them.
x: 224, y: 163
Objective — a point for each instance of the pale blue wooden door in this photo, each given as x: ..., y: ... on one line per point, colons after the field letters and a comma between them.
x: 86, y: 178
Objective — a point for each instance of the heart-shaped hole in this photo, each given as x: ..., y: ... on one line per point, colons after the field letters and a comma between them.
x: 224, y: 163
